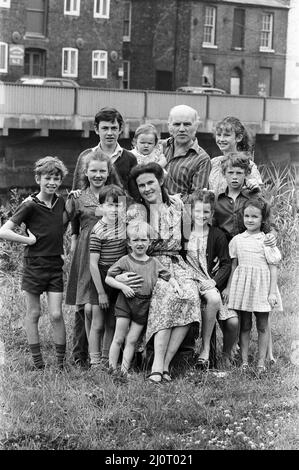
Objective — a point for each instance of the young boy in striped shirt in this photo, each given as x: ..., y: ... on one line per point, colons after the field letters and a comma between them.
x: 107, y: 245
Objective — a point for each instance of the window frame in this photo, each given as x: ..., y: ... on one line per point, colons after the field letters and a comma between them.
x: 98, y: 12
x: 35, y: 34
x: 94, y: 60
x: 69, y: 50
x: 238, y: 27
x: 212, y: 42
x: 5, y: 68
x: 128, y: 74
x: 4, y: 3
x: 127, y: 37
x: 72, y: 11
x: 268, y: 48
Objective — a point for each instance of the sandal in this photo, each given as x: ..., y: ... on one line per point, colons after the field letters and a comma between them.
x: 166, y: 376
x: 154, y: 374
x: 202, y: 364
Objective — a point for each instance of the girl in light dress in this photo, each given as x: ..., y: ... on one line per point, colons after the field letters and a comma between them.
x: 146, y: 148
x: 84, y: 211
x: 207, y: 247
x: 252, y: 286
x: 231, y: 136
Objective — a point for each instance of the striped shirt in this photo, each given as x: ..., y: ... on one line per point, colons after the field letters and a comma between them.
x: 188, y: 172
x: 109, y: 242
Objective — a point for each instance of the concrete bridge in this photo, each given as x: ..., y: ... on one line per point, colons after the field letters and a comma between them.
x: 36, y: 121
x: 44, y: 109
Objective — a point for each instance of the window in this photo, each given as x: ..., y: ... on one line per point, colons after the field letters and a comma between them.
x: 99, y: 64
x: 236, y: 81
x: 208, y: 73
x: 69, y: 62
x: 264, y: 83
x: 34, y: 63
x: 72, y: 7
x: 127, y: 21
x: 238, y: 28
x: 36, y: 17
x: 3, y: 57
x: 101, y: 8
x: 5, y: 3
x: 126, y: 76
x: 266, y: 32
x: 209, y: 30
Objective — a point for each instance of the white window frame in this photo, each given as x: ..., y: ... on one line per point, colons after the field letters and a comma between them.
x: 4, y: 45
x: 99, y: 57
x: 98, y: 9
x: 74, y: 8
x: 266, y: 37
x: 69, y: 72
x: 5, y: 3
x: 127, y: 38
x: 209, y: 28
x: 128, y: 63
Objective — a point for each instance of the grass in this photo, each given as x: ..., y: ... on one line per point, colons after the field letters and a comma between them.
x: 75, y: 409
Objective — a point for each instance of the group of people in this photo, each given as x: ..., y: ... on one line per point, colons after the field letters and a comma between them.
x: 163, y: 240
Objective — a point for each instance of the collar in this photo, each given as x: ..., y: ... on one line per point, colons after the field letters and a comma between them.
x: 195, y: 147
x: 244, y: 192
x: 117, y: 151
x: 258, y: 236
x: 42, y: 203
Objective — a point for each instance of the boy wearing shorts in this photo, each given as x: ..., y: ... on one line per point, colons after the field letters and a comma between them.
x: 45, y: 220
x: 132, y: 306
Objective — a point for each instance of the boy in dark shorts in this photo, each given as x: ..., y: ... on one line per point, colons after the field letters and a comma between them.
x: 45, y: 220
x: 132, y: 306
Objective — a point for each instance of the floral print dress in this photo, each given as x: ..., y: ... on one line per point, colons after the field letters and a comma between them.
x: 167, y: 308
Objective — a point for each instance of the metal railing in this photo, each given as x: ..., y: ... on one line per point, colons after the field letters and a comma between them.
x: 140, y: 105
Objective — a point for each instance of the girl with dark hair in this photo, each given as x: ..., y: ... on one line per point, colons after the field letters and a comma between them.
x: 252, y: 286
x: 171, y: 314
x: 232, y: 136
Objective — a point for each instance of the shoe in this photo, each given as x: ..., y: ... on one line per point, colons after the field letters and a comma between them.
x: 153, y: 374
x: 166, y: 376
x: 202, y: 364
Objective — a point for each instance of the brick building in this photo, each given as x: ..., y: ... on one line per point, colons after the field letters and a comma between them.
x: 237, y: 45
x: 79, y: 39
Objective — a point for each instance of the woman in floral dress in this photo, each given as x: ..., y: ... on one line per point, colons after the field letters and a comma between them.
x: 170, y: 314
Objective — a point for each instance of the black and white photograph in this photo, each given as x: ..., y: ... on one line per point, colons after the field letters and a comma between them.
x: 149, y: 228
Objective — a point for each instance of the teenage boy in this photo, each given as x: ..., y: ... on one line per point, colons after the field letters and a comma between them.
x: 108, y: 125
x: 45, y: 220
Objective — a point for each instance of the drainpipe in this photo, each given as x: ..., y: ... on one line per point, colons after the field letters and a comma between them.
x: 175, y: 44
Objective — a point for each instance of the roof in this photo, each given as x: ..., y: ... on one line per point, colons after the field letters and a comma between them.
x: 262, y: 3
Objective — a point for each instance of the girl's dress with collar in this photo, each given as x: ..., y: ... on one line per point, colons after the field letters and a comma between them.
x: 85, y: 210
x: 251, y: 280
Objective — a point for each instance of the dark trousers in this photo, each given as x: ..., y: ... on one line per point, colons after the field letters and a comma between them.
x: 80, y: 343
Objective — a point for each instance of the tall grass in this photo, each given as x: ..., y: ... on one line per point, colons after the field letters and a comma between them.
x: 75, y: 409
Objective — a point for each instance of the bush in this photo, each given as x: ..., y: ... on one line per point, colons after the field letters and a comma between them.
x: 280, y: 190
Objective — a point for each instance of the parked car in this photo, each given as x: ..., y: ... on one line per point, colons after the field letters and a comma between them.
x: 48, y: 81
x: 201, y: 90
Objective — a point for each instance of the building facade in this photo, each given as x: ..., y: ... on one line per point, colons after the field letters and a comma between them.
x: 78, y: 39
x: 236, y: 45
